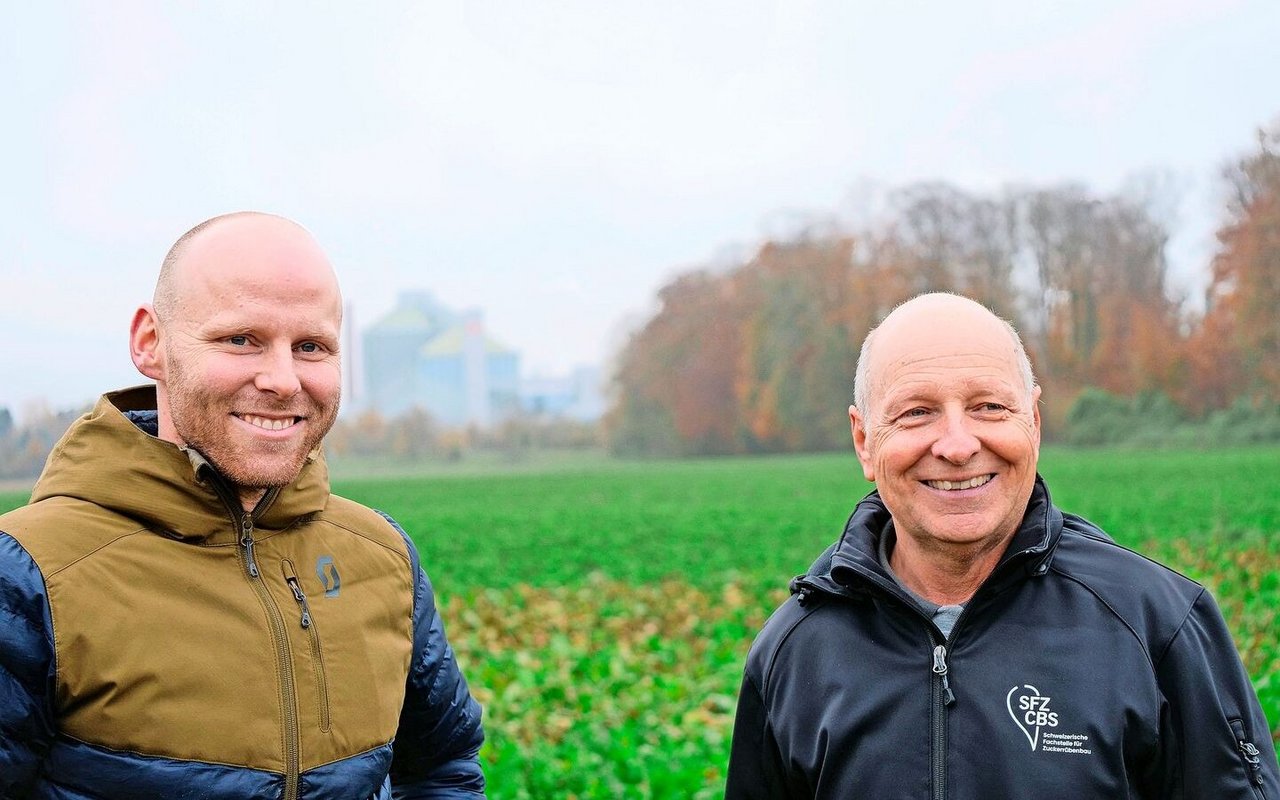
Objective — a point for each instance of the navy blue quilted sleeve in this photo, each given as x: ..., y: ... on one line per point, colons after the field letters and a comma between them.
x: 26, y: 669
x: 437, y: 746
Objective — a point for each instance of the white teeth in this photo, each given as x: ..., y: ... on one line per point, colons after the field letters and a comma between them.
x: 949, y: 486
x: 268, y: 424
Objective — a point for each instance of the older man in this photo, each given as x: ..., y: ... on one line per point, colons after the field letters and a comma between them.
x: 966, y: 639
x: 185, y: 609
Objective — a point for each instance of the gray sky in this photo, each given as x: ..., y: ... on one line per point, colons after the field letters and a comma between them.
x: 556, y: 162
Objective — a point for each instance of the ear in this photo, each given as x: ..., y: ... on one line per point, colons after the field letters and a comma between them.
x: 859, y: 431
x: 1035, y: 412
x: 144, y: 343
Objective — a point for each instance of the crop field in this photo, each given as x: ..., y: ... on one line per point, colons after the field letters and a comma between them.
x: 602, y: 612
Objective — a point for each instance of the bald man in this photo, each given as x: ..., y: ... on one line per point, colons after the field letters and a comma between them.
x: 185, y: 609
x: 964, y: 638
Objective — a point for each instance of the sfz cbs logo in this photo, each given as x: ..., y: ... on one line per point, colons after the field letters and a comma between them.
x: 1030, y: 711
x: 1037, y: 711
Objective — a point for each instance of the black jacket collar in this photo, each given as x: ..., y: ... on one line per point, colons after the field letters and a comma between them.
x: 852, y: 563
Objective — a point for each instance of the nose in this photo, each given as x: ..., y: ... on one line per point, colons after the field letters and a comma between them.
x: 276, y: 374
x: 956, y: 442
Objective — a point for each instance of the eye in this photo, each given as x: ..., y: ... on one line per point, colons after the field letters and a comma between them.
x: 914, y: 414
x: 238, y: 340
x: 311, y: 349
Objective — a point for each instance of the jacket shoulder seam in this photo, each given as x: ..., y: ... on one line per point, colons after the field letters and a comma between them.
x: 766, y: 673
x: 1098, y: 536
x: 372, y: 540
x: 1152, y: 659
x: 1112, y: 609
x: 396, y: 537
x: 95, y: 551
x: 1181, y: 625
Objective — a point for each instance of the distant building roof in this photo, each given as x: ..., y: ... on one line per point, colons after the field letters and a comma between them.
x: 403, y: 319
x: 414, y: 311
x: 449, y: 343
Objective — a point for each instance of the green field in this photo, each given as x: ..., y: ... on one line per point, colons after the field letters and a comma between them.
x: 602, y: 612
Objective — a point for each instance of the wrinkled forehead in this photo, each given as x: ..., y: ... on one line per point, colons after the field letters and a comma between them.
x: 956, y: 347
x: 958, y: 372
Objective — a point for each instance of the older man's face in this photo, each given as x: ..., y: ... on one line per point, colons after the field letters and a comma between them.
x: 951, y: 437
x: 252, y: 376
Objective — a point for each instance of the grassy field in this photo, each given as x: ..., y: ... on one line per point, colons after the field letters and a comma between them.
x: 602, y: 612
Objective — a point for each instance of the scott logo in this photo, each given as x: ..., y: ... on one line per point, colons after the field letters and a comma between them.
x: 1030, y: 711
x: 327, y: 572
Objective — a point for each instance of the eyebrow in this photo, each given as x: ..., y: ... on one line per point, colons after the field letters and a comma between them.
x: 1001, y: 389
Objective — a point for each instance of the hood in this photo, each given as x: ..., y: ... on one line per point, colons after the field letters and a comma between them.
x: 854, y: 562
x: 106, y: 459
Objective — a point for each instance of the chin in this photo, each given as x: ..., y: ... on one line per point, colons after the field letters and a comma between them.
x: 968, y: 532
x: 262, y: 473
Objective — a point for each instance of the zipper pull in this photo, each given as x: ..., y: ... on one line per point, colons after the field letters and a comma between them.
x: 302, y: 600
x: 1252, y: 757
x: 940, y: 669
x: 246, y: 541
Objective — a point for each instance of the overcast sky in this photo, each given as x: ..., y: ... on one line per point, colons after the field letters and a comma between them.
x: 555, y: 162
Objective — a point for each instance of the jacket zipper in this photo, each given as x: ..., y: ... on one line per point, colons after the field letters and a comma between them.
x: 1250, y: 755
x: 940, y: 694
x: 279, y: 638
x: 308, y: 623
x: 941, y: 697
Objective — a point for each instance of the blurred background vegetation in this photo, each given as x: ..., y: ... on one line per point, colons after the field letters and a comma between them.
x: 756, y: 355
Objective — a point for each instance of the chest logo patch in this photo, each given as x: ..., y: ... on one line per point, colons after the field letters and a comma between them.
x: 1030, y: 711
x: 1038, y: 720
x: 327, y: 572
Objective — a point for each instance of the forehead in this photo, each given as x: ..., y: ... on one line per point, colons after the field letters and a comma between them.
x: 958, y: 373
x: 250, y: 268
x: 955, y: 352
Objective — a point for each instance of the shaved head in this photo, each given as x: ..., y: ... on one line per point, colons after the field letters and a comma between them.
x: 922, y: 310
x: 167, y: 294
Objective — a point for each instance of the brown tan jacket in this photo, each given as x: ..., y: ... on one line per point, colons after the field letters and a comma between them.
x: 291, y: 652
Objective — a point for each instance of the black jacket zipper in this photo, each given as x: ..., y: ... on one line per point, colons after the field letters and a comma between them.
x: 941, y: 697
x: 1250, y: 755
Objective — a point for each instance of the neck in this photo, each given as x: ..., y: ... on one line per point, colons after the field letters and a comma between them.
x: 249, y: 497
x: 945, y: 573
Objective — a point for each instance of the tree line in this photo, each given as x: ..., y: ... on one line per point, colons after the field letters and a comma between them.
x: 361, y: 439
x: 24, y: 448
x: 757, y: 355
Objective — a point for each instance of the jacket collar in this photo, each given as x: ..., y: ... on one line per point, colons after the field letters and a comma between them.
x: 108, y: 459
x: 853, y: 562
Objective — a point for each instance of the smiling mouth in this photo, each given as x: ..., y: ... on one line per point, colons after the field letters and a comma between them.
x: 268, y: 423
x: 954, y: 486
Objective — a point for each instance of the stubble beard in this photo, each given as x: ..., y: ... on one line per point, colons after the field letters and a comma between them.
x: 202, y: 420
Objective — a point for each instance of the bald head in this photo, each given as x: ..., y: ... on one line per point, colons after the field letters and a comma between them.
x: 938, y: 320
x: 238, y: 235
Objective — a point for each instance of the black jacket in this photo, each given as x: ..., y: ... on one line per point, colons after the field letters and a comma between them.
x: 1078, y: 670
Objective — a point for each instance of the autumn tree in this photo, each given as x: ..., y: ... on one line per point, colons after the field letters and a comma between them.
x: 674, y: 380
x: 1237, y: 349
x: 1100, y: 314
x: 957, y: 242
x: 794, y: 377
